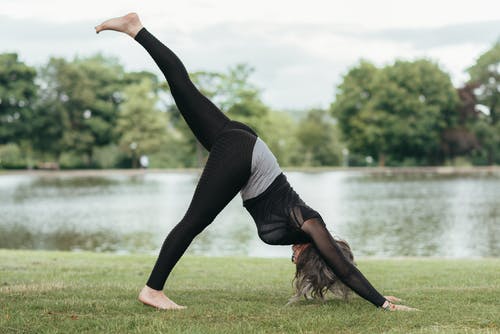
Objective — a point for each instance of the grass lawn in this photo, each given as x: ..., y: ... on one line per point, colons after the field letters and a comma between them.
x: 62, y: 292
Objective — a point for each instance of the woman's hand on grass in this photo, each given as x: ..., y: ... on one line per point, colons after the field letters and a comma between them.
x: 393, y: 299
x: 394, y: 307
x: 405, y: 308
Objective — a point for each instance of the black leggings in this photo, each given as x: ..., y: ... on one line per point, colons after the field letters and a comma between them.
x: 228, y: 166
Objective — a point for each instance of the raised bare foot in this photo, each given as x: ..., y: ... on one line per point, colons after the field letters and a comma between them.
x: 157, y: 299
x: 129, y: 24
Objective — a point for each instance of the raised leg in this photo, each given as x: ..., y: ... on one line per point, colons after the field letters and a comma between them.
x: 205, y: 120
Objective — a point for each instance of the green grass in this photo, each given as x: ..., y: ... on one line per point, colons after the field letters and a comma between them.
x: 62, y: 292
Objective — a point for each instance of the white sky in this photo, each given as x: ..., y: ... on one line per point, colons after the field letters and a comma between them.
x: 300, y: 49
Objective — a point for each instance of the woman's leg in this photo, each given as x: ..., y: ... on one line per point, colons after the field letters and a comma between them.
x: 225, y: 173
x: 203, y: 117
x: 205, y: 120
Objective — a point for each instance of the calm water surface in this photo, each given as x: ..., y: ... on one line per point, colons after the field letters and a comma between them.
x: 380, y: 215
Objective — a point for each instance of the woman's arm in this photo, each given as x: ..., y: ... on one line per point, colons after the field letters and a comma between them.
x: 345, y: 270
x: 342, y: 268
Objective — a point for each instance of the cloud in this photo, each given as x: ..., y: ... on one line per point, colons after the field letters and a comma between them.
x: 31, y: 30
x: 290, y: 74
x: 466, y: 33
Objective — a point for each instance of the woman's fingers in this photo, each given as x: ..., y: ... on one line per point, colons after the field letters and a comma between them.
x: 403, y: 308
x: 396, y: 307
x: 393, y: 299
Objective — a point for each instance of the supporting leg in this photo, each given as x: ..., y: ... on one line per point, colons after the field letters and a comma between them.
x: 226, y: 172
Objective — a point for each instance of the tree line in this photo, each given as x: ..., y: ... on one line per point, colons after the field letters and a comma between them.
x: 92, y: 113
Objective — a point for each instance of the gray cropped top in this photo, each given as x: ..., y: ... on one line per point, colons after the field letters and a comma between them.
x: 264, y: 170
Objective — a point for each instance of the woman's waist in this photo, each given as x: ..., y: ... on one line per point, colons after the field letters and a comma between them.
x: 275, y: 190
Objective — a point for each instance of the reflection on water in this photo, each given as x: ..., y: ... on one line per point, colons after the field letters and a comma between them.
x: 381, y: 215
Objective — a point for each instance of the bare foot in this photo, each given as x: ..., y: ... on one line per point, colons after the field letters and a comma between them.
x: 157, y: 299
x: 129, y: 24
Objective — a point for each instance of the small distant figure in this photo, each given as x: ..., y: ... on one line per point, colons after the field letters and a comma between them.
x: 144, y: 161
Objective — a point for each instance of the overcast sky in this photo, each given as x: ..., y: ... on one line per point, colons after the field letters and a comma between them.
x: 300, y: 49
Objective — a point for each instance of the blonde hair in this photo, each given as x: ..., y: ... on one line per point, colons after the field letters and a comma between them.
x: 314, y: 277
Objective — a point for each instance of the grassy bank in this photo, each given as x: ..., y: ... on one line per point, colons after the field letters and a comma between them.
x: 58, y: 292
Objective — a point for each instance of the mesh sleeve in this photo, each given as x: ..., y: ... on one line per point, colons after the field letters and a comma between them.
x: 341, y: 266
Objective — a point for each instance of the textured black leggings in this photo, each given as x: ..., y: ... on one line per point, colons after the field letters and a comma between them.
x: 228, y: 166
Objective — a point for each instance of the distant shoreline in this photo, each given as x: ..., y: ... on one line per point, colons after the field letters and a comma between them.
x: 438, y: 170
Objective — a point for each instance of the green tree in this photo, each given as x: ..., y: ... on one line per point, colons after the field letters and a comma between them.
x: 17, y: 97
x: 361, y: 128
x: 241, y: 99
x: 488, y: 136
x: 11, y: 156
x: 318, y: 140
x: 51, y: 120
x: 399, y: 111
x: 278, y: 129
x: 83, y: 95
x: 485, y: 73
x: 141, y: 126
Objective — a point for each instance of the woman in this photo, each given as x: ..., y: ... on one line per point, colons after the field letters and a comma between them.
x: 239, y: 161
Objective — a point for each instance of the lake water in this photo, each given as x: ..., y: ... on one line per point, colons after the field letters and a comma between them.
x: 402, y: 214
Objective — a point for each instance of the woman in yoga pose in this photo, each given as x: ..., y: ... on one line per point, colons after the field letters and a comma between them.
x: 239, y: 161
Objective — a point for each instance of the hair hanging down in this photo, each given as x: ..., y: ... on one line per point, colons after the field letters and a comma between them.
x: 314, y: 278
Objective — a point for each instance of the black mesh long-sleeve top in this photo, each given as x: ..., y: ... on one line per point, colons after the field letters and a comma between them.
x: 280, y: 213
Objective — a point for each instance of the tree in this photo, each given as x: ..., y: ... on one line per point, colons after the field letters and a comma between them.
x: 141, y: 127
x: 485, y: 73
x: 399, y: 111
x: 240, y: 99
x: 235, y: 88
x: 488, y: 136
x: 318, y: 140
x: 84, y: 96
x: 278, y: 130
x: 360, y: 126
x: 51, y: 119
x: 460, y: 140
x: 17, y: 97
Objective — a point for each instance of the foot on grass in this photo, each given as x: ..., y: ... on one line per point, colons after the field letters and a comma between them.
x: 157, y: 299
x: 129, y: 24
